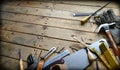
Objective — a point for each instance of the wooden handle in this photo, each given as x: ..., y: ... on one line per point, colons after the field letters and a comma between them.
x: 40, y: 65
x: 90, y: 55
x: 113, y: 44
x: 21, y: 65
x: 84, y: 20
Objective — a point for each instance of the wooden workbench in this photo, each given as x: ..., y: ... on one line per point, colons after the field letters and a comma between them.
x: 35, y: 25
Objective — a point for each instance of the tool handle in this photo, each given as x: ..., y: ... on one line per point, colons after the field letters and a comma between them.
x: 113, y: 44
x: 21, y: 65
x: 90, y: 55
x: 41, y: 63
x: 84, y: 20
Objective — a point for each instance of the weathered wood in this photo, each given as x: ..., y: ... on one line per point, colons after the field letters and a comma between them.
x: 7, y: 63
x: 39, y: 11
x: 51, y: 12
x: 35, y: 41
x: 53, y: 32
x: 64, y: 6
x: 55, y: 22
x: 89, y: 3
x: 13, y: 50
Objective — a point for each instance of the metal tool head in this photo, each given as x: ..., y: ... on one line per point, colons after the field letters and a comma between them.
x: 105, y: 26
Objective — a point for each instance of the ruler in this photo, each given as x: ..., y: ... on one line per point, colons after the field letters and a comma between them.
x: 114, y: 65
x: 101, y: 57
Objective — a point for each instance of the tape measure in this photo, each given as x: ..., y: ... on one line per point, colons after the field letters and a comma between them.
x: 114, y: 65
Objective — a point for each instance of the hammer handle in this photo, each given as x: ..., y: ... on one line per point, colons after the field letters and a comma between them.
x: 113, y: 44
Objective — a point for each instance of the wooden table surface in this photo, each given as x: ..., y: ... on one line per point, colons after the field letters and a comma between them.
x: 35, y: 25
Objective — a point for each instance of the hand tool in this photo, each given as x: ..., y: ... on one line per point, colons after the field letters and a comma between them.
x: 95, y: 51
x: 114, y: 65
x: 21, y: 61
x: 84, y: 20
x: 56, y: 60
x: 36, y: 62
x: 101, y: 57
x: 41, y: 62
x: 91, y: 57
x: 81, y: 14
x: 112, y: 42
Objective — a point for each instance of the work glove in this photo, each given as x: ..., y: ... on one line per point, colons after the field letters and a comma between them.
x: 116, y: 31
x: 105, y: 17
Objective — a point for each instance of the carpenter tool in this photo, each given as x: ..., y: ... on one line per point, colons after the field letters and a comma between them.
x: 114, y: 65
x: 95, y: 51
x: 109, y: 35
x: 84, y: 20
x: 90, y: 55
x: 40, y: 64
x: 21, y: 61
x: 81, y: 14
x: 101, y: 58
x: 56, y: 60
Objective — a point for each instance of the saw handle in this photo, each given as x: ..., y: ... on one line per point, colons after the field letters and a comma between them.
x: 84, y: 20
x: 113, y: 44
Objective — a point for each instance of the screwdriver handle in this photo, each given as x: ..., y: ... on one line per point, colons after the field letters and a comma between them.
x: 84, y: 20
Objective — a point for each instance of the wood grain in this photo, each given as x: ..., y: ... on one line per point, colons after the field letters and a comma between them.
x: 7, y: 63
x: 48, y: 21
x: 50, y: 12
x: 35, y: 41
x: 57, y: 33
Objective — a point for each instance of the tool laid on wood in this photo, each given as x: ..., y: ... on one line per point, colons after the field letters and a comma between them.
x: 56, y: 60
x: 94, y: 51
x: 21, y: 61
x: 114, y: 65
x: 91, y: 57
x: 40, y: 64
x: 108, y: 16
x: 101, y: 58
x: 84, y: 20
x: 112, y: 42
x: 81, y: 14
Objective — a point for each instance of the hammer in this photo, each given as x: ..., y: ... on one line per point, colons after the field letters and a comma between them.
x: 109, y: 35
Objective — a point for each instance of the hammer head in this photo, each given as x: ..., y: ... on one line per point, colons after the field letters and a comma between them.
x: 105, y: 26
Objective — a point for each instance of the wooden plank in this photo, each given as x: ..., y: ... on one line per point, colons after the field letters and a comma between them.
x: 48, y: 21
x: 7, y: 63
x: 35, y: 41
x: 52, y: 12
x: 13, y: 50
x: 39, y: 11
x: 89, y: 3
x: 53, y: 32
x: 59, y: 6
